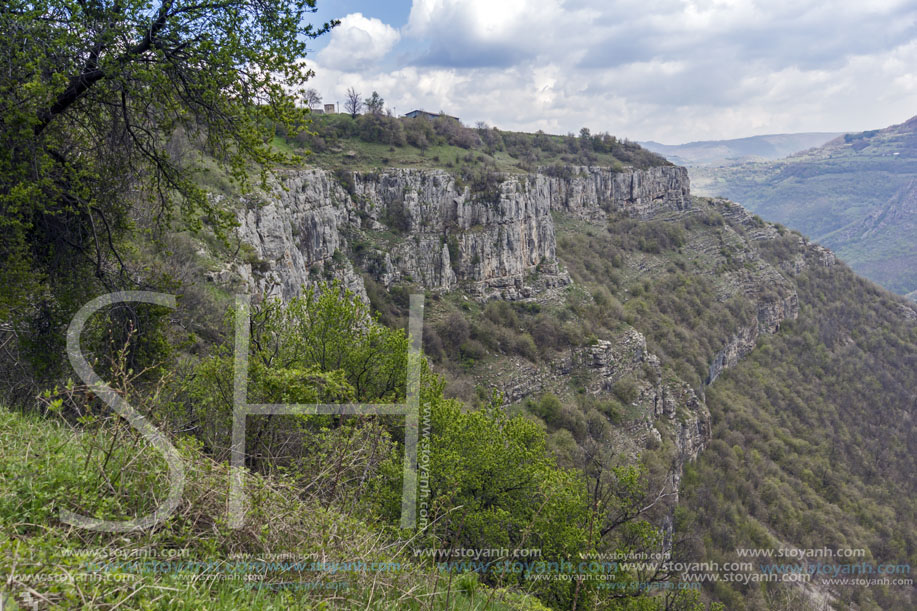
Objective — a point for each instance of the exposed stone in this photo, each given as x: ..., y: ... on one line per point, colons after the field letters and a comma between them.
x: 609, y: 361
x: 440, y: 235
x: 299, y: 236
x: 590, y: 192
x: 770, y: 315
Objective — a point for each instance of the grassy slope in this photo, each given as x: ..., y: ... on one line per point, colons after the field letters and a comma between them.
x: 46, y: 467
x: 338, y: 141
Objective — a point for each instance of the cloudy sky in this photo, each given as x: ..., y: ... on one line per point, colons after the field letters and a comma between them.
x: 665, y: 70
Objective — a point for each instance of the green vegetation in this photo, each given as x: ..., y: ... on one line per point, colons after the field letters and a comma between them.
x: 319, y: 486
x: 129, y: 135
x: 852, y: 194
x: 811, y: 442
x: 47, y: 466
x: 674, y: 300
x: 809, y: 448
x: 104, y: 108
x: 374, y: 141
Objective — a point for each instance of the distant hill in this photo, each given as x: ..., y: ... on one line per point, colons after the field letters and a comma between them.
x: 884, y: 242
x: 855, y: 194
x: 740, y: 150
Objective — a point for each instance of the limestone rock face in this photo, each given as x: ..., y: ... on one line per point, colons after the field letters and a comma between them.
x: 499, y: 242
x: 451, y: 236
x: 590, y: 192
x: 659, y: 403
x: 298, y: 237
x: 770, y: 314
x: 496, y: 244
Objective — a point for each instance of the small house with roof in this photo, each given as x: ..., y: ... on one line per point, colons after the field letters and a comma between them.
x: 428, y: 115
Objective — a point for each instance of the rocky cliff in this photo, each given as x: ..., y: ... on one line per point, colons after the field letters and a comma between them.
x: 659, y: 402
x: 422, y: 226
x: 497, y: 239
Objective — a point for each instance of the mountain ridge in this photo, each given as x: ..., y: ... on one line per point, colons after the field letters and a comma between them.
x: 836, y: 194
x: 740, y: 150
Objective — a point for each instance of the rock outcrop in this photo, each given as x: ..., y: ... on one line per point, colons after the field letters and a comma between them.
x: 657, y: 403
x: 770, y: 314
x: 488, y: 243
x: 299, y: 236
x: 498, y: 243
x: 592, y: 192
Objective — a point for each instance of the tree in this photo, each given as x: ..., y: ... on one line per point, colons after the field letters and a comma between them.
x: 313, y: 98
x: 375, y: 104
x: 323, y: 346
x: 353, y: 102
x: 493, y: 483
x: 101, y: 103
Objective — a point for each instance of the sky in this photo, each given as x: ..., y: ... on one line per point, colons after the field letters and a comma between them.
x: 673, y: 71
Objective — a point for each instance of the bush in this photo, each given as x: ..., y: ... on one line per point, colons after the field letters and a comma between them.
x: 502, y: 313
x: 472, y: 350
x: 510, y: 489
x: 525, y: 346
x: 626, y: 390
x: 548, y: 408
x: 322, y: 347
x: 548, y: 333
x: 454, y: 331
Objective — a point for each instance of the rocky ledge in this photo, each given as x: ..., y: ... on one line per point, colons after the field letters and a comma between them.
x: 422, y: 225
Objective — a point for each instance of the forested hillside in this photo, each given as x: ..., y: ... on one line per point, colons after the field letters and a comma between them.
x: 854, y: 195
x: 611, y: 388
x: 814, y: 438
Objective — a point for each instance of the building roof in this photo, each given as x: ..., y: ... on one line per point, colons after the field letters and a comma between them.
x: 428, y: 115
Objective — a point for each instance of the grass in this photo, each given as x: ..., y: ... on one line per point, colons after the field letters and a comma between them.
x: 366, y: 143
x: 47, y: 466
x: 358, y: 155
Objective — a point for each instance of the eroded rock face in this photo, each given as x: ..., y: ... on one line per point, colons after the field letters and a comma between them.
x: 590, y: 192
x: 451, y: 236
x: 299, y: 237
x: 770, y: 314
x: 658, y: 403
x: 498, y: 244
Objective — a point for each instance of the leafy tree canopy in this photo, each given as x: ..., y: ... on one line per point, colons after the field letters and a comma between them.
x: 98, y: 101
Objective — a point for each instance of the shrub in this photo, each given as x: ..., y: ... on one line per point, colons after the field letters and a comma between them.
x: 454, y: 331
x: 502, y: 313
x: 626, y: 390
x: 548, y: 408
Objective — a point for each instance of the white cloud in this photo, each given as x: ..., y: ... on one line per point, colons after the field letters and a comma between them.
x: 476, y: 33
x: 358, y: 43
x: 668, y: 70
